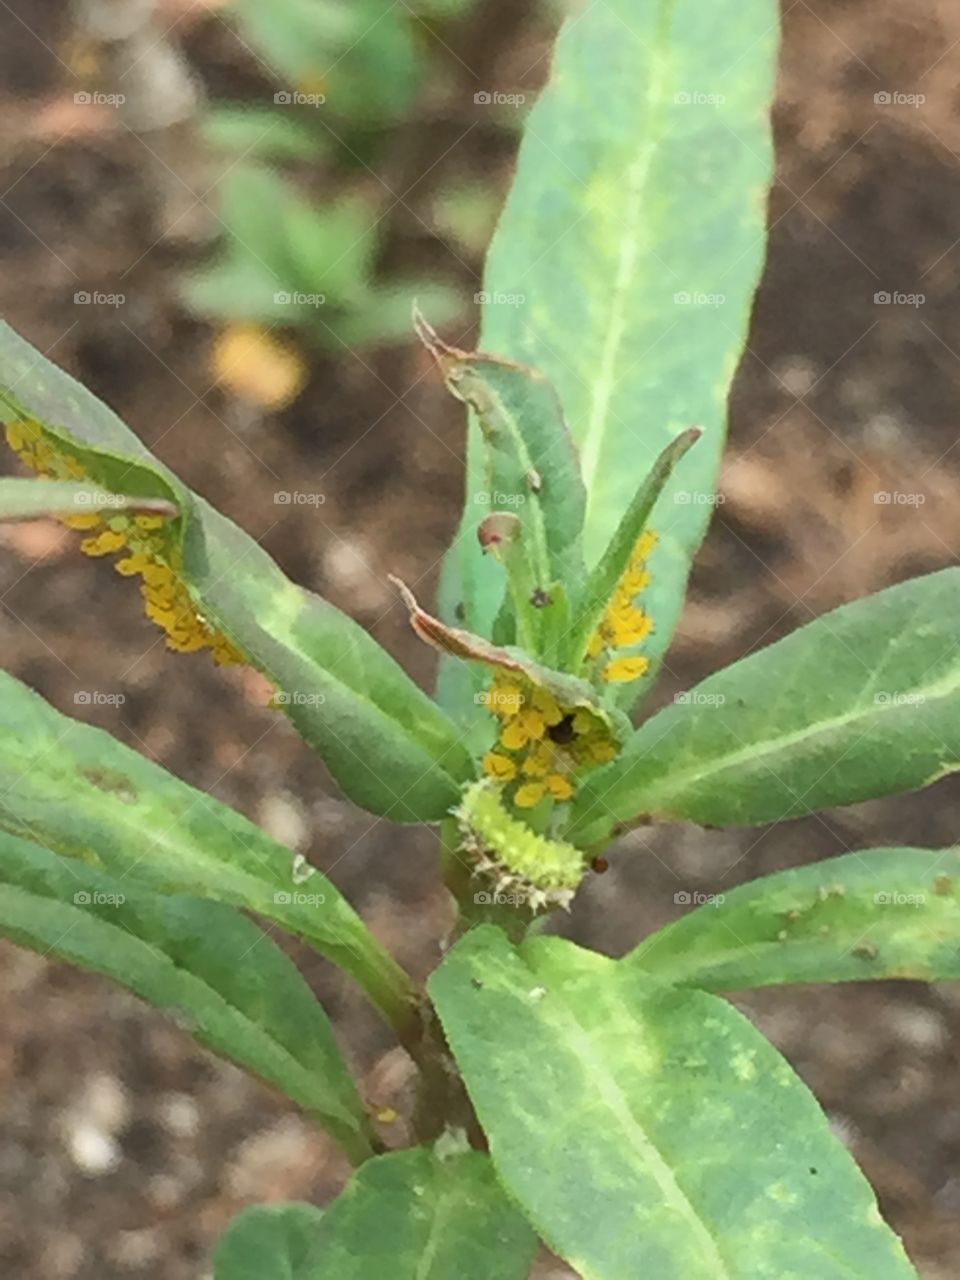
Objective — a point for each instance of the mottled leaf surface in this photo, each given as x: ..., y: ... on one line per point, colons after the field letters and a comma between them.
x: 648, y: 1130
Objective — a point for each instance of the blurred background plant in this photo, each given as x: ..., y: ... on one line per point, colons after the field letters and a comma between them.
x: 324, y: 175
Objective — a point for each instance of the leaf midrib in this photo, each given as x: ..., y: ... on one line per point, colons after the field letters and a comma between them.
x: 638, y: 179
x: 680, y: 779
x: 605, y: 1084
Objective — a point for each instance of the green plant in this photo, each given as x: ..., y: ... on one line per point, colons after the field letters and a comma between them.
x: 618, y: 1110
x: 346, y: 74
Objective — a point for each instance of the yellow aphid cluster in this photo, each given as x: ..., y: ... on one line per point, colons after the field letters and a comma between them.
x: 625, y: 624
x: 149, y: 552
x: 541, y: 743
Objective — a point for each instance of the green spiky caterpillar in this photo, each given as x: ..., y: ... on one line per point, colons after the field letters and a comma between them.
x: 540, y: 872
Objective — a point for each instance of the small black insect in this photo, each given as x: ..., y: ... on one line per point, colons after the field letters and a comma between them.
x: 563, y: 732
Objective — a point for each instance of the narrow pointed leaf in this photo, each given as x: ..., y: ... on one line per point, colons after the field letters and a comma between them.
x: 530, y: 463
x: 660, y: 1134
x: 631, y: 245
x: 389, y: 746
x: 410, y: 1215
x: 221, y: 976
x: 615, y: 561
x: 878, y: 913
x: 863, y: 702
x: 87, y: 797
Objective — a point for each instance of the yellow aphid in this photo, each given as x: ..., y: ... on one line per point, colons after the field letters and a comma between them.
x: 104, y: 544
x: 559, y: 786
x: 530, y: 794
x: 499, y: 766
x: 626, y: 625
x: 151, y: 554
x: 82, y: 522
x: 623, y: 669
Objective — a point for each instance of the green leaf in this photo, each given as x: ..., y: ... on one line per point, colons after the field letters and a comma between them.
x: 269, y: 1242
x: 84, y: 795
x: 647, y: 1130
x: 863, y: 702
x: 410, y: 1215
x: 299, y: 38
x: 263, y: 131
x: 624, y: 200
x: 388, y: 745
x: 878, y: 913
x: 31, y: 499
x: 232, y: 988
x: 606, y: 575
x: 531, y: 468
